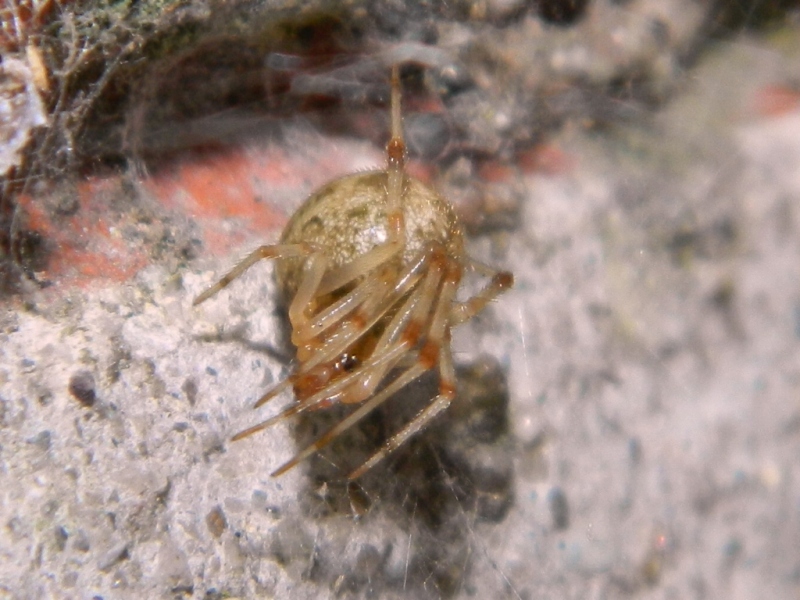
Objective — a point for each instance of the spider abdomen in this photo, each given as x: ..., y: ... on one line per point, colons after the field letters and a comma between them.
x: 347, y: 217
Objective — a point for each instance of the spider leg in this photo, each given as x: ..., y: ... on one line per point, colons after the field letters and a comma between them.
x: 367, y: 262
x: 335, y: 313
x: 354, y: 417
x: 360, y: 324
x: 447, y: 391
x: 395, y: 165
x: 260, y: 253
x: 342, y: 320
x: 405, y: 282
x: 500, y: 282
x: 438, y: 343
x: 313, y: 270
x: 382, y: 361
x: 327, y: 395
x: 361, y: 382
x: 395, y: 219
x: 428, y: 354
x: 376, y: 360
x: 375, y: 372
x: 408, y: 325
x: 395, y: 227
x: 277, y: 389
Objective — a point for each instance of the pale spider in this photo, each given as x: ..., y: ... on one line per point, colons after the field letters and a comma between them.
x: 370, y: 265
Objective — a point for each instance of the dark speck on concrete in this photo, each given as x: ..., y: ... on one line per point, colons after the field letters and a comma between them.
x: 189, y: 388
x: 61, y: 537
x: 216, y: 522
x: 82, y: 388
x: 559, y: 508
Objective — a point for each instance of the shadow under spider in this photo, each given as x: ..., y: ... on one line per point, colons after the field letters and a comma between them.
x: 456, y: 472
x: 238, y: 335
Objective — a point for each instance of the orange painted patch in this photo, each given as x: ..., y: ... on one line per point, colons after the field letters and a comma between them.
x: 776, y: 100
x: 87, y: 245
x: 423, y: 104
x: 545, y: 159
x: 493, y: 171
x: 225, y: 192
x: 231, y: 196
x: 421, y: 170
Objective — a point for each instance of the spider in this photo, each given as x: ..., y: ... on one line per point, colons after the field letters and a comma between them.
x: 369, y: 267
